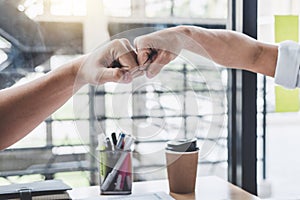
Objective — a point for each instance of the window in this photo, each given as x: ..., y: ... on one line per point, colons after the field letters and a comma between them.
x: 4, y: 47
x: 117, y: 8
x: 279, y: 136
x: 186, y: 8
x: 68, y: 7
x: 186, y: 100
x: 3, y: 56
x: 32, y: 8
x: 167, y: 8
x: 35, y: 8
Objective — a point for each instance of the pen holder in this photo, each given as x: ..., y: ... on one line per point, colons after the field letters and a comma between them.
x: 115, y: 171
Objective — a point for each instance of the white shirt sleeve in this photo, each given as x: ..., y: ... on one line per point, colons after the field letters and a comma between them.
x: 287, y: 71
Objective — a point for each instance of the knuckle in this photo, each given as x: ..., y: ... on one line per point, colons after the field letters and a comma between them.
x: 125, y: 41
x: 117, y: 75
x: 137, y: 40
x: 119, y: 43
x: 115, y: 42
x: 151, y: 73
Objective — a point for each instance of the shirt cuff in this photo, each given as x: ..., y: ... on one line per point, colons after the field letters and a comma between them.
x: 288, y: 63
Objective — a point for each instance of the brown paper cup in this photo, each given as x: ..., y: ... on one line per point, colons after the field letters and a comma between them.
x: 182, y: 171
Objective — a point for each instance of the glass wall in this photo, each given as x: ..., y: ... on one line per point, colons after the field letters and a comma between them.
x: 168, y: 8
x: 182, y: 100
x: 282, y: 127
x: 55, y: 142
x: 187, y: 99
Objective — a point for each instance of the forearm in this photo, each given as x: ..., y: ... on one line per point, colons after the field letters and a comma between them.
x: 232, y: 49
x: 23, y: 107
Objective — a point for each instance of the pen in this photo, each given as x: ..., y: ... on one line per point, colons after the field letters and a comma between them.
x: 128, y: 142
x: 101, y: 142
x: 102, y: 147
x: 108, y: 144
x: 120, y: 140
x: 114, y: 138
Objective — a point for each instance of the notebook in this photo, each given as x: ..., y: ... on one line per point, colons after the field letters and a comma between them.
x: 50, y: 189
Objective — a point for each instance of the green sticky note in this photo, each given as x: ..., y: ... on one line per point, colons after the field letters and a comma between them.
x: 286, y: 100
x: 286, y: 28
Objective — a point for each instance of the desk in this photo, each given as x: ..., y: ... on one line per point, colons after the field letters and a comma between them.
x: 208, y: 188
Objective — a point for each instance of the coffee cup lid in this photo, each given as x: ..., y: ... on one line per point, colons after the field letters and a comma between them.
x: 182, y: 145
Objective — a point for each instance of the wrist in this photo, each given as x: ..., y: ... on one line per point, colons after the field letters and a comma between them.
x: 185, y: 30
x: 185, y: 37
x: 76, y: 70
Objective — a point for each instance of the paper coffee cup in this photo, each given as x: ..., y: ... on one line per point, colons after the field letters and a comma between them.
x: 182, y: 163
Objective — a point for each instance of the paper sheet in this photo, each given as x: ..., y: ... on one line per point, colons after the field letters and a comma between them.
x: 149, y: 196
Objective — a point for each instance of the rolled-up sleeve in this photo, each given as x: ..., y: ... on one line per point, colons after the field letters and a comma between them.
x: 287, y: 72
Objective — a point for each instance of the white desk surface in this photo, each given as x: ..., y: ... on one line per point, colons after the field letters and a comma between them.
x: 207, y: 188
